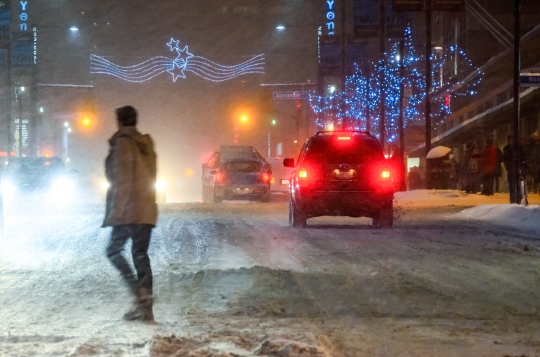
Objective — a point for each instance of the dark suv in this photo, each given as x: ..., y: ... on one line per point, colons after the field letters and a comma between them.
x: 341, y: 174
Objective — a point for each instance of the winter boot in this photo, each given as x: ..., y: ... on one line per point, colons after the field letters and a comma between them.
x: 142, y: 311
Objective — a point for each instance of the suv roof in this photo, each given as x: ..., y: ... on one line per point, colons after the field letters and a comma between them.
x: 345, y: 132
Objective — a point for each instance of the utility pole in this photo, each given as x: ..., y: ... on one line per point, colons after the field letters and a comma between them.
x: 403, y: 170
x: 343, y: 66
x: 9, y: 118
x: 368, y: 119
x: 428, y: 76
x: 517, y: 104
x: 19, y: 100
x: 401, y: 98
x: 382, y: 79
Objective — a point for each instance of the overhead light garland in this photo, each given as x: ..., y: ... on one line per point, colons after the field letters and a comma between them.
x: 177, y: 67
x: 363, y: 90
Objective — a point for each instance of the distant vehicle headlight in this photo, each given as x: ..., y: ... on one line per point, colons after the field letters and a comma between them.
x: 105, y: 185
x: 8, y: 188
x: 161, y: 185
x: 63, y: 187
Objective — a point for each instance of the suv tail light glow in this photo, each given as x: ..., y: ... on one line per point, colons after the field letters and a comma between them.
x: 219, y: 178
x: 266, y: 177
x: 344, y: 138
x: 385, y: 174
x: 302, y: 174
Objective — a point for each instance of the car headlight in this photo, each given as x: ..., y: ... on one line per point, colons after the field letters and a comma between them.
x: 8, y: 188
x: 63, y: 187
x: 105, y: 185
x: 161, y: 185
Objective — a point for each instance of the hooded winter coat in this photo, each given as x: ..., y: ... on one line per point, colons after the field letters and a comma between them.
x: 131, y: 171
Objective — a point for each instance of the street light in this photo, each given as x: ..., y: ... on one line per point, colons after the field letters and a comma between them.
x: 74, y: 29
x: 280, y: 27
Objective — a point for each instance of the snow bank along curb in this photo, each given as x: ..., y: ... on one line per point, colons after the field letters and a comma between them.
x: 445, y: 198
x: 505, y: 215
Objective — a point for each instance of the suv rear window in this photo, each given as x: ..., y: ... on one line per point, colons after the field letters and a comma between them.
x: 242, y: 166
x: 332, y: 151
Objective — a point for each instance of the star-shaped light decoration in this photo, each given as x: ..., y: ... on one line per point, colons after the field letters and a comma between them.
x: 183, y: 54
x: 173, y: 44
x: 177, y: 71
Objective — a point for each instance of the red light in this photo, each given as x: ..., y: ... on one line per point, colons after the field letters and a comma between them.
x: 302, y: 174
x: 47, y: 155
x: 386, y: 174
x: 219, y: 177
x: 344, y: 138
x: 266, y: 177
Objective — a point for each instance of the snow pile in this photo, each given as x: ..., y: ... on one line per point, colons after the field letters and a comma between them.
x: 445, y: 198
x: 505, y: 215
x: 311, y: 346
x: 288, y: 348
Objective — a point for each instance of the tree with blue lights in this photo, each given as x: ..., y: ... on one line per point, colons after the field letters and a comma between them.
x: 363, y: 92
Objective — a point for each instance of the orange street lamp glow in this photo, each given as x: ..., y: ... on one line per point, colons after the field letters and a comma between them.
x: 244, y: 118
x: 86, y: 122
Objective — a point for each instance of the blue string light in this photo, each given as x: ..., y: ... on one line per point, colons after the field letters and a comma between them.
x: 363, y: 91
x: 184, y: 62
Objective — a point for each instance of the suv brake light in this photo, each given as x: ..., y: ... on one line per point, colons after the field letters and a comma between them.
x: 302, y: 174
x: 266, y: 177
x: 220, y: 177
x: 385, y: 174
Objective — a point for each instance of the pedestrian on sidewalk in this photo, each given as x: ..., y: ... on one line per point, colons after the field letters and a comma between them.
x: 498, y: 168
x: 488, y: 160
x: 131, y: 207
x: 533, y: 154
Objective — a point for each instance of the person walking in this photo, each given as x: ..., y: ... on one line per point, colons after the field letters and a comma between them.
x: 498, y: 168
x: 131, y: 209
x: 533, y: 154
x: 488, y: 160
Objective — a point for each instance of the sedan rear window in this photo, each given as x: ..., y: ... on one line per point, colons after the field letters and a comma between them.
x: 242, y: 166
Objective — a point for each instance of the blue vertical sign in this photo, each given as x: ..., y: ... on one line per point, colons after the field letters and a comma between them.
x: 23, y: 15
x: 330, y: 17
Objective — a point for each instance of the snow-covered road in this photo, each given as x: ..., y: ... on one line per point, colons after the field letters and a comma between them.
x: 234, y: 279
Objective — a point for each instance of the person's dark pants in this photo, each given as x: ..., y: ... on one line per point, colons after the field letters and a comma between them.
x: 140, y: 235
x: 487, y: 184
x: 472, y: 182
x: 510, y: 176
x: 497, y: 183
